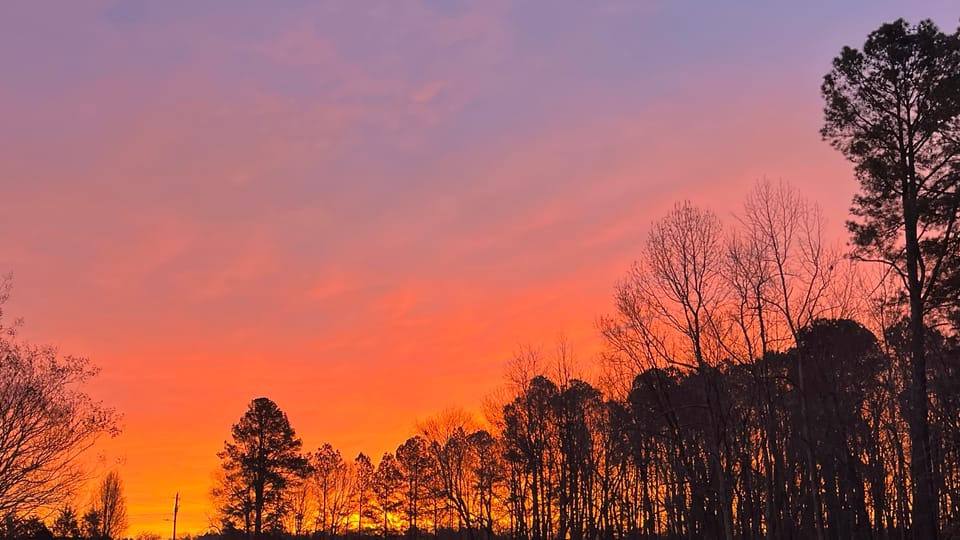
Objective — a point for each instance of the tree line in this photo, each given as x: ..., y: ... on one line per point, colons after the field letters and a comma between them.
x: 757, y: 383
x: 730, y: 404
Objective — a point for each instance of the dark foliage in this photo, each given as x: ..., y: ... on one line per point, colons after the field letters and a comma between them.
x: 893, y: 108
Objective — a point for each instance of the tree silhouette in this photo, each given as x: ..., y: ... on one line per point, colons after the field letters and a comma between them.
x: 672, y: 302
x: 418, y: 467
x: 110, y: 507
x: 528, y: 436
x: 299, y: 503
x: 66, y: 524
x: 332, y: 481
x: 46, y: 421
x: 893, y: 109
x: 258, y: 463
x: 363, y: 478
x: 29, y: 528
x: 387, y: 480
x: 844, y: 362
x: 91, y: 524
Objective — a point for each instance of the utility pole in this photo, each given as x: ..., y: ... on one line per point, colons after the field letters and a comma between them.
x: 176, y: 508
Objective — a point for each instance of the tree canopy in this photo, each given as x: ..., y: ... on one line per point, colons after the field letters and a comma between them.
x: 258, y: 462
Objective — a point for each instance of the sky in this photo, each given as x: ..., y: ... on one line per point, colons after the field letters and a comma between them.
x: 363, y: 209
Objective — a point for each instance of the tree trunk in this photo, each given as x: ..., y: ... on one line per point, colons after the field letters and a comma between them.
x: 924, y: 517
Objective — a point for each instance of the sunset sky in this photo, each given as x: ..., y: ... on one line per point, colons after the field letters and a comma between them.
x: 362, y: 209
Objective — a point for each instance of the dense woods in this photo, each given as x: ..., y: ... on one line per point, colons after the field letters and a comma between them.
x: 756, y: 381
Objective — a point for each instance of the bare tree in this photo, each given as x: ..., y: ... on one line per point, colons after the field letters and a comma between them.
x: 450, y: 447
x: 669, y: 309
x: 781, y: 272
x: 333, y: 485
x: 418, y: 467
x: 363, y: 471
x: 46, y: 422
x: 301, y: 503
x: 110, y: 506
x: 387, y: 484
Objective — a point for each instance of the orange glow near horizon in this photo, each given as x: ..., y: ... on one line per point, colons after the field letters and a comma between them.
x: 220, y: 204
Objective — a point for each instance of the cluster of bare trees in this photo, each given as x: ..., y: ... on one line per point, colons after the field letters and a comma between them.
x: 742, y: 398
x: 104, y: 519
x: 753, y: 386
x: 439, y: 479
x: 435, y: 480
x: 762, y: 409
